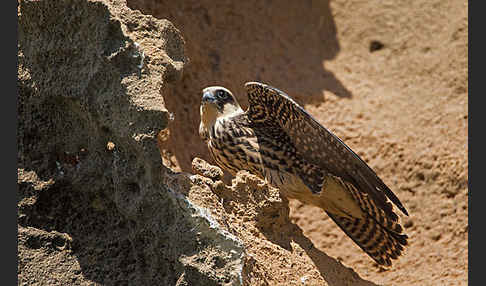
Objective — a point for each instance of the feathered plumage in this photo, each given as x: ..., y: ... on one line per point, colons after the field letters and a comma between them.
x: 278, y: 140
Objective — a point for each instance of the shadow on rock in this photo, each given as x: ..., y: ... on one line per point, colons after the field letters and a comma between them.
x: 274, y: 223
x: 93, y: 207
x: 283, y: 43
x: 254, y: 208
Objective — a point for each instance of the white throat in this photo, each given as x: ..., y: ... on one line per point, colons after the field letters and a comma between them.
x: 211, y: 119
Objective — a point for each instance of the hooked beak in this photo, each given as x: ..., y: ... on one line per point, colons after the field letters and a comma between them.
x: 208, y: 97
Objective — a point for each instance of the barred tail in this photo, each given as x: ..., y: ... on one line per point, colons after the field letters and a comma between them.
x: 378, y: 242
x: 377, y: 233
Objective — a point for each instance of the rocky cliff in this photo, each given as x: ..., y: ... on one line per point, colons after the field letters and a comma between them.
x: 113, y: 183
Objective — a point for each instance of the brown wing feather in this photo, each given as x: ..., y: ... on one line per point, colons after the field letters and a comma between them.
x: 316, y: 144
x: 378, y: 242
x: 380, y: 237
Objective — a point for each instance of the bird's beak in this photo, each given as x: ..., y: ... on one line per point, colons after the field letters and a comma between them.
x: 208, y: 97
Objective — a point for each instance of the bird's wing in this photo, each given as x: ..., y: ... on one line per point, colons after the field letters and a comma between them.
x: 316, y: 144
x: 378, y: 242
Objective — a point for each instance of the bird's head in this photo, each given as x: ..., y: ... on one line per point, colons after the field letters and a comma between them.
x: 216, y: 102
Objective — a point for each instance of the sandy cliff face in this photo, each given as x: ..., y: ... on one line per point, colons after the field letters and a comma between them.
x: 94, y: 205
x: 109, y: 94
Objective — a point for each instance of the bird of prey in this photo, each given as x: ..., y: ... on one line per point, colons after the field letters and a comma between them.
x: 277, y: 140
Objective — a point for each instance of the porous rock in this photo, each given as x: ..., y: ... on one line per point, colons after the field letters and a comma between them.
x: 93, y: 205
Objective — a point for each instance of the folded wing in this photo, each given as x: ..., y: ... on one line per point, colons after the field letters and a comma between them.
x: 317, y: 145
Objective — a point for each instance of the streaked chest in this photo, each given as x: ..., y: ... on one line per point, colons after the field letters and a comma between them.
x: 234, y: 146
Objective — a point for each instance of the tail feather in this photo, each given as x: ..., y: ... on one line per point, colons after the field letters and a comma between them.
x: 379, y: 243
x: 377, y: 233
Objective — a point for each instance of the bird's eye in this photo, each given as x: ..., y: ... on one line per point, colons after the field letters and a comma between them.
x: 221, y: 93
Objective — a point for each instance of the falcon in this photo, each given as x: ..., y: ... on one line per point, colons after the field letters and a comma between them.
x: 277, y: 140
